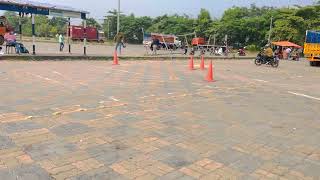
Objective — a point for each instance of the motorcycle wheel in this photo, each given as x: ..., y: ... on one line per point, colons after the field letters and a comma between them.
x: 257, y: 62
x: 275, y: 64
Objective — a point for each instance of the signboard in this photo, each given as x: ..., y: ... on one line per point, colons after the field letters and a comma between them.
x: 55, y: 13
x: 61, y: 13
x: 72, y: 14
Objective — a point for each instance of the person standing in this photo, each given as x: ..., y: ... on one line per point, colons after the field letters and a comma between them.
x: 119, y: 40
x: 61, y: 42
x: 289, y: 50
x: 285, y: 54
x: 154, y: 45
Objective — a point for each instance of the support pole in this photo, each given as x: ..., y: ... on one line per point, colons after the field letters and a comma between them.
x: 167, y: 48
x: 108, y: 29
x: 270, y: 32
x: 85, y: 37
x: 226, y: 43
x: 209, y: 40
x: 69, y: 34
x: 20, y: 26
x: 118, y: 18
x: 33, y: 35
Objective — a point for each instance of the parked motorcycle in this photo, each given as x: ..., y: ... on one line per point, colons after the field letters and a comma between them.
x: 260, y: 59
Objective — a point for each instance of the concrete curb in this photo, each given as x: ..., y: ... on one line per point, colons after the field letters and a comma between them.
x: 105, y: 58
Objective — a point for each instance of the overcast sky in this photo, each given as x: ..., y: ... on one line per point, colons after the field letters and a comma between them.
x: 98, y: 8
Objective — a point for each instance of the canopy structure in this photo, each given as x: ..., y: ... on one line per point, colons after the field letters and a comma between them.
x: 33, y: 7
x: 286, y: 44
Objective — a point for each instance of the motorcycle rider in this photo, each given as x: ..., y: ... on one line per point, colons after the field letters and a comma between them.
x: 241, y: 51
x: 267, y: 52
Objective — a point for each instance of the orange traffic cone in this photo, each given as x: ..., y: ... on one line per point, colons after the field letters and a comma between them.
x: 115, y: 58
x: 202, y: 63
x: 210, y: 73
x: 191, y: 63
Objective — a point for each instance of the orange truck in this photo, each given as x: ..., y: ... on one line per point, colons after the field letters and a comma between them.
x: 312, y: 47
x: 198, y: 41
x: 4, y: 28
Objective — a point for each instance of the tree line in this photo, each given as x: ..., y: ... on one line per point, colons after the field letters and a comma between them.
x: 45, y: 27
x: 244, y: 26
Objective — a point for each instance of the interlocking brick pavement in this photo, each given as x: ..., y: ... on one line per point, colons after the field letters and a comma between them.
x: 158, y: 120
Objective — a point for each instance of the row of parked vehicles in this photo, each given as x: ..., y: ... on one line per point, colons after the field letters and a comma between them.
x: 311, y: 51
x: 311, y: 47
x: 172, y: 42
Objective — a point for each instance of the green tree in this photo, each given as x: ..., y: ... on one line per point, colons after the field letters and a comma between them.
x: 110, y: 23
x: 91, y: 22
x: 243, y: 26
x: 131, y: 26
x: 174, y: 24
x: 202, y: 23
x: 53, y: 31
x: 60, y: 24
x: 288, y: 26
x: 311, y: 16
x: 42, y: 26
x: 45, y: 27
x: 13, y: 19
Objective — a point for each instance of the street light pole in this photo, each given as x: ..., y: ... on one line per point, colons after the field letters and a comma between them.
x: 270, y: 31
x: 118, y: 20
x: 108, y: 29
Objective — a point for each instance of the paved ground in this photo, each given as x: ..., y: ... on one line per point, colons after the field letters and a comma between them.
x: 92, y: 49
x: 158, y: 120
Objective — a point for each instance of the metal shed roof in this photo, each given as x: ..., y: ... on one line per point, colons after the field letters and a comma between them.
x: 34, y: 7
x: 286, y: 44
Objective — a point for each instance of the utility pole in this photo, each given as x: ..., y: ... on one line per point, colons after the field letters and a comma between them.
x: 108, y: 29
x: 270, y: 32
x: 142, y: 29
x: 106, y: 22
x: 118, y: 19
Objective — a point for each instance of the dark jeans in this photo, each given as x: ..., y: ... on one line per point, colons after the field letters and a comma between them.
x: 61, y: 46
x: 185, y: 51
x: 267, y: 58
x: 11, y: 43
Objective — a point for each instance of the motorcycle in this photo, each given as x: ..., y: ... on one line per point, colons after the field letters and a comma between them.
x: 260, y: 59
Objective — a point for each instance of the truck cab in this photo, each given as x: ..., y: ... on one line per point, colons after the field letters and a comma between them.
x: 312, y: 47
